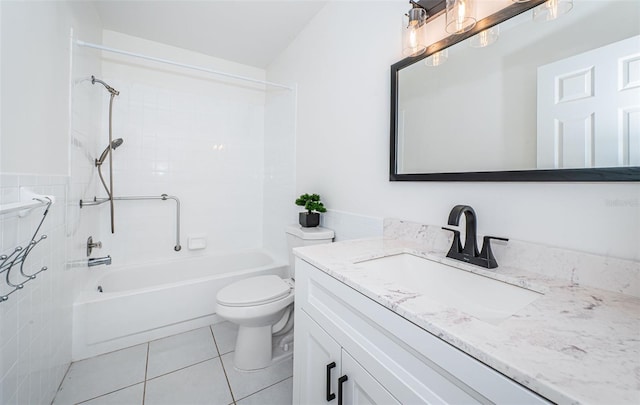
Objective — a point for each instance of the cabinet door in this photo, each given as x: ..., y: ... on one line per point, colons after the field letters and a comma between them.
x: 361, y: 388
x: 316, y: 363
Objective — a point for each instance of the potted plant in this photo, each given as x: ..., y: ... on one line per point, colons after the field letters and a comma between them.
x: 311, y: 202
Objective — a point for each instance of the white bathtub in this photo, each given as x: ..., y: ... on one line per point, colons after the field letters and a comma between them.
x: 146, y: 302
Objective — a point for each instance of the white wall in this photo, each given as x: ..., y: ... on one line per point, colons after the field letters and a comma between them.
x: 341, y: 66
x: 33, y: 118
x: 35, y: 322
x: 279, y: 186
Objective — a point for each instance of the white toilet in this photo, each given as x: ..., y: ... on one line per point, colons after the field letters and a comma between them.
x: 262, y: 307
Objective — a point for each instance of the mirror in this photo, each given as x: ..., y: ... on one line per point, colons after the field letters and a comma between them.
x: 548, y: 101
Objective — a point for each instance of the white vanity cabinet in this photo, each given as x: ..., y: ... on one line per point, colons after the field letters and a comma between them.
x: 386, y: 359
x: 329, y: 373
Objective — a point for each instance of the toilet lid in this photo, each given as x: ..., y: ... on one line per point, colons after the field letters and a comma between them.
x: 253, y: 291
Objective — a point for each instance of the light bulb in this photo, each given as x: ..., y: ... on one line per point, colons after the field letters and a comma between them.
x: 413, y: 32
x: 460, y: 16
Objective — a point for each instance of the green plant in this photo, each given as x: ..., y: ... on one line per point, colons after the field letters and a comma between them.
x: 311, y: 202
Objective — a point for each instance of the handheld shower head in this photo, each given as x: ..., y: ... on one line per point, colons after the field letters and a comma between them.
x: 114, y: 145
x: 110, y: 89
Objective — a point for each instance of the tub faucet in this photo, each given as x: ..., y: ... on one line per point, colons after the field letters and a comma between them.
x: 469, y: 252
x: 97, y: 261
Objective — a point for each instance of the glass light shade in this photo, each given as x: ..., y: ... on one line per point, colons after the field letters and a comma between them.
x: 437, y: 58
x: 461, y: 16
x: 414, y: 40
x: 485, y: 38
x: 552, y: 9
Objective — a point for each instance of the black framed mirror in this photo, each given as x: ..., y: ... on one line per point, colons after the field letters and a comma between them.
x: 509, y: 128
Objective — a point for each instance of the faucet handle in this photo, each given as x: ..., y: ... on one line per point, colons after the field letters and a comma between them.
x: 456, y: 245
x: 487, y: 254
x: 92, y: 245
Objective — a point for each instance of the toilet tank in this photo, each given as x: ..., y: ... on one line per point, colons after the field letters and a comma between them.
x: 298, y: 236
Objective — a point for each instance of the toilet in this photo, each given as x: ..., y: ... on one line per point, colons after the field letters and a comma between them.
x: 262, y: 307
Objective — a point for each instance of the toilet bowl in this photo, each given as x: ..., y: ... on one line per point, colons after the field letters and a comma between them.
x: 262, y: 307
x: 255, y: 304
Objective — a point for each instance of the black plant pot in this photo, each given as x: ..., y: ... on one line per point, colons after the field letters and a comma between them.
x: 309, y: 220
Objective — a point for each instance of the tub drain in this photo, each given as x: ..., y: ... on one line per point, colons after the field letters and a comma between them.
x: 99, y: 288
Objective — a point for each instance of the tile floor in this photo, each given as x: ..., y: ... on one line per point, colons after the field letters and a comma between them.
x: 192, y: 368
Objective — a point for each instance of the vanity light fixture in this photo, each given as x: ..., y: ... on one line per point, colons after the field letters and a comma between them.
x: 461, y: 16
x: 413, y: 30
x: 437, y: 58
x: 552, y: 9
x: 485, y: 38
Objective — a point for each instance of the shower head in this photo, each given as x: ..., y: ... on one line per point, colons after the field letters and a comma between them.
x: 114, y: 145
x: 110, y: 89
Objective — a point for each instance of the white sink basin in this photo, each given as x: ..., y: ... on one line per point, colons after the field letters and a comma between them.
x: 482, y: 297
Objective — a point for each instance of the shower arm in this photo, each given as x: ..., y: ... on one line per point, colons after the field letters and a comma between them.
x: 110, y: 89
x: 163, y: 197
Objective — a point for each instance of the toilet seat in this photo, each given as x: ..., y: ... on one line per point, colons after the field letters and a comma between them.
x: 254, y: 291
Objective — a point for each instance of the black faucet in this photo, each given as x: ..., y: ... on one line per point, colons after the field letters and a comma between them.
x: 469, y: 253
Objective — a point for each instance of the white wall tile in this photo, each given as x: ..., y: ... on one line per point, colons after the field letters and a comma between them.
x: 33, y: 319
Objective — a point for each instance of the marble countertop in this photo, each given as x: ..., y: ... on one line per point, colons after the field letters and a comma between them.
x: 575, y: 344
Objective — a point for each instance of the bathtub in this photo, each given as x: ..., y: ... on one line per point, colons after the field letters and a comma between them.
x: 127, y: 305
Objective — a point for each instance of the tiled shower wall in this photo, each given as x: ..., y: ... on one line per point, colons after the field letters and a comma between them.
x: 195, y: 136
x: 203, y: 150
x: 36, y: 321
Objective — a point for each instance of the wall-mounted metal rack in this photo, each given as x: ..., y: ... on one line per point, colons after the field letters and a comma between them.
x: 15, y: 260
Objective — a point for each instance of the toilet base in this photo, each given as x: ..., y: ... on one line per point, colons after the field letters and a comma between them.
x: 253, y: 347
x: 253, y: 354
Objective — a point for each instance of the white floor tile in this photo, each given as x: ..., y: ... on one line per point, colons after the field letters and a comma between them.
x: 115, y: 378
x: 203, y: 383
x: 127, y: 396
x: 175, y: 352
x: 103, y: 374
x: 225, y: 334
x: 244, y: 384
x: 277, y: 394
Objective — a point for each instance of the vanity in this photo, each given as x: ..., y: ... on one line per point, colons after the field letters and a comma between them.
x: 392, y: 320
